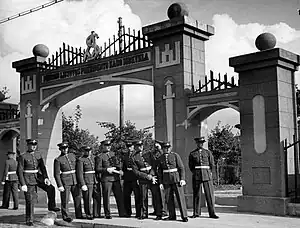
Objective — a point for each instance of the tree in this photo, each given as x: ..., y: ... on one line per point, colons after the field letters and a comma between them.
x: 226, y: 150
x: 77, y: 137
x: 4, y: 94
x: 128, y: 132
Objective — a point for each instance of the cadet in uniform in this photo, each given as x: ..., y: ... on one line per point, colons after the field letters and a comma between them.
x: 10, y: 182
x: 144, y: 168
x: 29, y: 165
x: 201, y: 164
x: 172, y: 179
x: 130, y: 183
x: 157, y: 152
x: 85, y: 171
x: 110, y: 167
x: 65, y: 177
x: 97, y: 192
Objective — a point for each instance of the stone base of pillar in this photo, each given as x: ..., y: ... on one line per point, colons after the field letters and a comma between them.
x: 263, y: 204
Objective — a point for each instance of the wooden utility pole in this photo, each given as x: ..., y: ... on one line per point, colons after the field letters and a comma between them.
x: 121, y: 85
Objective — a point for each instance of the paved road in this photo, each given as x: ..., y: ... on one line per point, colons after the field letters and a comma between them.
x: 229, y: 218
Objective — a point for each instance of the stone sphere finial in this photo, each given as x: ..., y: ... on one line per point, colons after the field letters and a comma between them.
x: 177, y: 10
x: 265, y: 41
x: 40, y: 50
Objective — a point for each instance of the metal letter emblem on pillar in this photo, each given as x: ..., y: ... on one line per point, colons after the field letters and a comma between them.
x: 28, y: 117
x: 169, y: 110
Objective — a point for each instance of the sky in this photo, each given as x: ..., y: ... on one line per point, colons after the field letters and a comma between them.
x: 237, y: 24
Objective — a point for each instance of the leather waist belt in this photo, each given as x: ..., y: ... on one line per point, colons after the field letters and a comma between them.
x: 129, y: 168
x: 87, y: 172
x: 202, y: 167
x: 68, y: 172
x: 11, y: 172
x: 170, y: 170
x: 146, y: 168
x: 31, y: 171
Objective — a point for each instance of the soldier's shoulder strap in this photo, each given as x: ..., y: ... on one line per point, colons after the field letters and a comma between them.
x: 195, y: 150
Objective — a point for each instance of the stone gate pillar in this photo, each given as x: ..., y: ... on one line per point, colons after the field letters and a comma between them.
x: 267, y: 117
x: 179, y: 63
x: 36, y: 121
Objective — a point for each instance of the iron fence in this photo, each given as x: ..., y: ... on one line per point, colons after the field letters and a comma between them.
x: 292, y: 192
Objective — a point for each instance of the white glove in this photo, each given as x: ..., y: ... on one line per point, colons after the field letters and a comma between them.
x: 3, y: 183
x: 61, y: 189
x: 121, y: 172
x: 182, y: 183
x: 161, y: 186
x: 154, y: 180
x: 24, y: 188
x: 84, y: 188
x: 110, y: 170
x: 47, y: 181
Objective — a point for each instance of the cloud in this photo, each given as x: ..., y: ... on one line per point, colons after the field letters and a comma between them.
x: 233, y: 39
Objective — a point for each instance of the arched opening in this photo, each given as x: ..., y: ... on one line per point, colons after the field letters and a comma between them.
x: 8, y: 142
x: 228, y: 165
x: 95, y: 107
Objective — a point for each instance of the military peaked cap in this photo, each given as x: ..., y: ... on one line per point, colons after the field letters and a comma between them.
x: 200, y: 139
x: 128, y: 143
x: 63, y: 145
x: 31, y: 141
x: 11, y: 152
x: 106, y: 142
x: 165, y: 145
x: 87, y: 148
x: 138, y: 143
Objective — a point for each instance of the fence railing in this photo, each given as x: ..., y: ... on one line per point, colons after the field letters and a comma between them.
x: 9, y: 114
x: 296, y: 147
x: 214, y: 82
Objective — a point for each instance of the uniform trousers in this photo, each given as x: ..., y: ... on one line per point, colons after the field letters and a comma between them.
x: 65, y: 196
x: 128, y: 188
x: 170, y: 190
x: 115, y: 187
x: 10, y: 187
x: 163, y: 201
x: 50, y: 190
x: 154, y: 188
x: 88, y: 197
x: 209, y: 195
x: 30, y: 200
x: 97, y: 200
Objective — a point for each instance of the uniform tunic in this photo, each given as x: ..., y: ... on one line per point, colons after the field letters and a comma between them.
x: 171, y: 171
x: 144, y: 165
x: 85, y: 172
x: 201, y: 164
x: 110, y: 182
x: 65, y: 176
x: 10, y: 178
